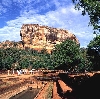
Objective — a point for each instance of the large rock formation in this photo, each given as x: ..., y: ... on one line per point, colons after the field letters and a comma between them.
x: 11, y: 44
x: 37, y: 37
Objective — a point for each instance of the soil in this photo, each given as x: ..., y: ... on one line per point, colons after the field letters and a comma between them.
x: 71, y: 87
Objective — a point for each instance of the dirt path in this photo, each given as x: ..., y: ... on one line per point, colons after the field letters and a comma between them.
x: 15, y: 75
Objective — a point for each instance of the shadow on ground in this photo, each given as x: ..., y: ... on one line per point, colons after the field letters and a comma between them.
x: 84, y: 87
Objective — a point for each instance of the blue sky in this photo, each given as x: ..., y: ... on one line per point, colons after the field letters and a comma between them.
x: 54, y: 13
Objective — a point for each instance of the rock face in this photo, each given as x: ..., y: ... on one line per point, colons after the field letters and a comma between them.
x: 11, y: 44
x: 37, y: 37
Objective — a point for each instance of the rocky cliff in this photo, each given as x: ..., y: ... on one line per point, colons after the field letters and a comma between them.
x: 37, y: 37
x: 11, y: 44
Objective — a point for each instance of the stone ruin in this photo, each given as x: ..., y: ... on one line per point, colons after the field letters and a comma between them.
x: 38, y: 37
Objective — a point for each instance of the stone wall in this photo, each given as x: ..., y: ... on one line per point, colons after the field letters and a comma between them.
x: 38, y: 37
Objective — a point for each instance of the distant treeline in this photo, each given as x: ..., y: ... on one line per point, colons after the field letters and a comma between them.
x: 67, y: 56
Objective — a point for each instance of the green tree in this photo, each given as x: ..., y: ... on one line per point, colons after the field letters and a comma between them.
x: 85, y: 60
x: 92, y: 8
x: 13, y: 58
x: 8, y: 57
x: 94, y: 52
x: 67, y: 56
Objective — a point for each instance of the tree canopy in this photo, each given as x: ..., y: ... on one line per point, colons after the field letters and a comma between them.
x: 13, y: 58
x: 95, y: 42
x: 92, y: 8
x: 94, y: 52
x: 67, y: 56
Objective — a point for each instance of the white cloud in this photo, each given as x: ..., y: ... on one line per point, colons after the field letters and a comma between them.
x: 57, y: 3
x: 63, y: 10
x: 63, y: 17
x: 9, y: 33
x: 7, y: 2
x: 2, y: 9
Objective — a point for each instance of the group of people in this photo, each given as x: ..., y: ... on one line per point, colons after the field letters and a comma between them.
x: 21, y: 71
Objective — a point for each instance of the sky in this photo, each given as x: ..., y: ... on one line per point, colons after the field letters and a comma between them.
x: 53, y: 13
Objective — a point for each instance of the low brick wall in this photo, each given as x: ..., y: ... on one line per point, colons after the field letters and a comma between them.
x: 55, y: 93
